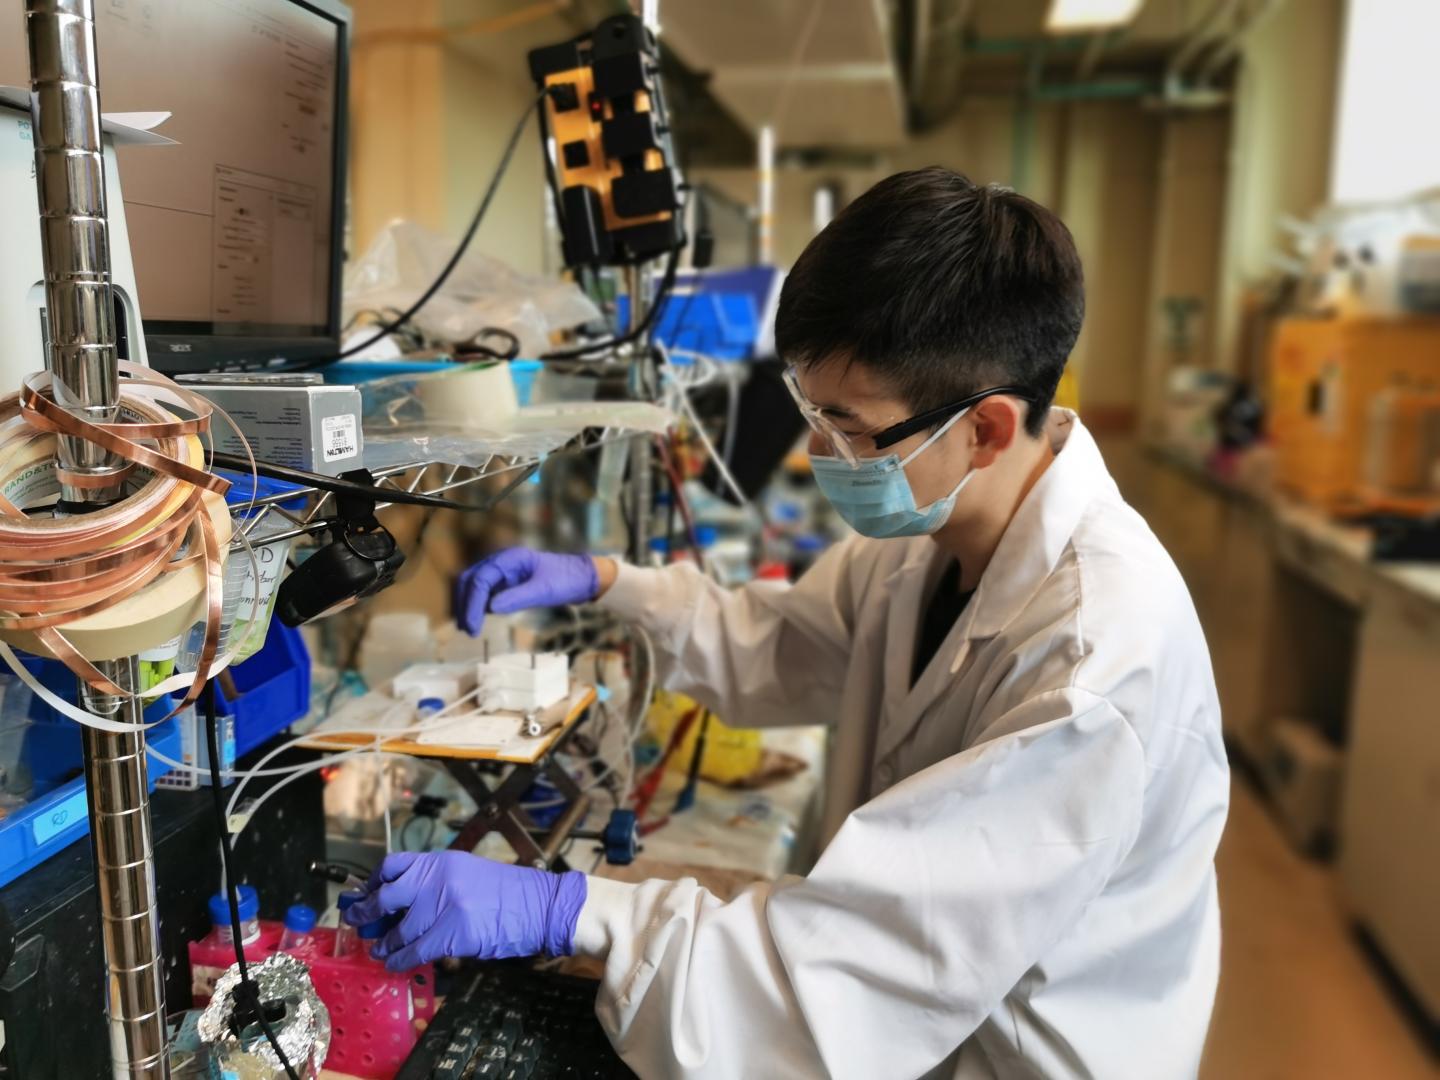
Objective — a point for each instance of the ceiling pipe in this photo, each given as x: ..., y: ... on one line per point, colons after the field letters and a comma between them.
x: 1221, y: 12
x: 1230, y: 48
x: 948, y: 38
x: 920, y: 47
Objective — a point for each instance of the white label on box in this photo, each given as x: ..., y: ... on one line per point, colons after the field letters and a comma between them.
x: 340, y: 436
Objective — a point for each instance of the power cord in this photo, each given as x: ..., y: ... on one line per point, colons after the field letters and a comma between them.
x: 409, y: 313
x: 248, y: 1001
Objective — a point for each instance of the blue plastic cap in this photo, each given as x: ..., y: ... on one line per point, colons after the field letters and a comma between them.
x: 300, y: 918
x: 660, y: 544
x: 380, y: 927
x: 433, y: 704
x: 706, y: 535
x: 809, y: 542
x: 220, y: 906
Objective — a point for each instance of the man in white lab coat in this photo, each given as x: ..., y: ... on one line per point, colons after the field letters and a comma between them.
x: 1028, y: 782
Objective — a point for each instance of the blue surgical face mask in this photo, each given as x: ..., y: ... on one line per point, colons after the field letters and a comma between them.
x: 874, y: 496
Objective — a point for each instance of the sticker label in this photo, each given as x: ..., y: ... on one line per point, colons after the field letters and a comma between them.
x: 34, y: 484
x: 51, y: 823
x: 340, y: 437
x: 270, y: 562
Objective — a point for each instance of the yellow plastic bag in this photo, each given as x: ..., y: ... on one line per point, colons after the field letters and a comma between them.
x: 731, y: 754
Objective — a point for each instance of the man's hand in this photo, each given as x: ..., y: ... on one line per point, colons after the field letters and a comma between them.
x: 519, y: 578
x: 465, y: 905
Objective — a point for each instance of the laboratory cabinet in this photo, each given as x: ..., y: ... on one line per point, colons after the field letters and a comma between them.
x: 1390, y: 813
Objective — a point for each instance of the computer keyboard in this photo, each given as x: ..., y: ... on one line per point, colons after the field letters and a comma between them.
x: 507, y: 1022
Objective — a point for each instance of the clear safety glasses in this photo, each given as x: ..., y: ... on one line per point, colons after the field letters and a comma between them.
x: 843, y: 445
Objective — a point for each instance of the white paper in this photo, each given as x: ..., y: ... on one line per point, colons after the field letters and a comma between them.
x: 124, y: 129
x: 480, y: 730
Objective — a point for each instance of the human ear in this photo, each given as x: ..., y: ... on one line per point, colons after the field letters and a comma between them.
x: 998, y: 421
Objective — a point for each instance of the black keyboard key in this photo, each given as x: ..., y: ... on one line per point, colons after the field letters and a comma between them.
x: 493, y: 1053
x: 449, y: 1067
x: 512, y: 1027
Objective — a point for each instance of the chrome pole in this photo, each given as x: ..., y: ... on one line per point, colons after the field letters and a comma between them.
x: 118, y: 782
x: 80, y: 322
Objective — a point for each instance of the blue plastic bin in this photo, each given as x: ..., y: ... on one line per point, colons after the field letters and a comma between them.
x: 57, y: 814
x: 242, y: 483
x: 272, y: 688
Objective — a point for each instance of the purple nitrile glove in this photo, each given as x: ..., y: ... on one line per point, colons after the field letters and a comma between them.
x: 519, y: 578
x: 466, y: 905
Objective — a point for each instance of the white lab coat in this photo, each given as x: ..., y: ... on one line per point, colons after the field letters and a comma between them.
x: 1019, y: 876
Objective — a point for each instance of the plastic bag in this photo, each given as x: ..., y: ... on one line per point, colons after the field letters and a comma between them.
x: 405, y: 258
x: 468, y: 415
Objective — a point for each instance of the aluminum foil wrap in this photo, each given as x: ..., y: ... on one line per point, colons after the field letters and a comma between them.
x: 304, y: 1033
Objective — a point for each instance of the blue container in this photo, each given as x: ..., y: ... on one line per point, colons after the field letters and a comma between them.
x: 272, y: 688
x: 724, y: 314
x: 359, y: 372
x: 242, y: 484
x: 524, y: 373
x: 57, y: 813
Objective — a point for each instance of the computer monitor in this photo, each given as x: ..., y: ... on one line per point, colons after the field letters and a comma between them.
x: 236, y: 232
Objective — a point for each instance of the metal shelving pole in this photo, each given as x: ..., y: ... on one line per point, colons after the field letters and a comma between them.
x: 70, y: 179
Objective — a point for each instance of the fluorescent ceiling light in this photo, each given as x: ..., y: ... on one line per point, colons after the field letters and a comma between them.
x: 1069, y: 15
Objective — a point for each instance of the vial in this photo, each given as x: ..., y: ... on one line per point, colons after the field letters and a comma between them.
x: 428, y: 707
x: 249, y: 903
x: 347, y: 941
x: 299, y: 922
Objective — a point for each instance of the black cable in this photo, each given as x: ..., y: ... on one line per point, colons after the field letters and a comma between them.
x: 409, y: 313
x: 232, y: 891
x: 666, y: 283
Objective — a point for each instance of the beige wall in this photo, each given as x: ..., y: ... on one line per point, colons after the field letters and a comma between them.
x: 1189, y: 220
x: 430, y: 119
x: 1094, y: 163
x: 484, y: 97
x: 1108, y: 192
x: 396, y: 129
x: 1284, y: 112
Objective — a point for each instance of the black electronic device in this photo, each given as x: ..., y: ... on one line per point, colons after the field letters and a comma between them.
x: 236, y: 232
x: 506, y: 1020
x: 618, y: 193
x: 361, y: 559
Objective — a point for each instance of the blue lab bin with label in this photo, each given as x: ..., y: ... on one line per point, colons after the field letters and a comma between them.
x: 57, y: 813
x: 272, y: 688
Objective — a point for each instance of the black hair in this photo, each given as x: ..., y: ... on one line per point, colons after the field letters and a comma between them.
x: 942, y: 288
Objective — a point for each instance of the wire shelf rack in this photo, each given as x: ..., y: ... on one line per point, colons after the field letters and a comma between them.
x: 272, y: 521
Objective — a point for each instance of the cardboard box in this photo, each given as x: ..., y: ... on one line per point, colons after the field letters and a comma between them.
x: 315, y: 428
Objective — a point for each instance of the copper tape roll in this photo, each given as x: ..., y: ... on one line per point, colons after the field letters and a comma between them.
x: 121, y: 579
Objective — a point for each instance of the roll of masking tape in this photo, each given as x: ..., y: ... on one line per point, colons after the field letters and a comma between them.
x: 159, y: 612
x: 476, y: 396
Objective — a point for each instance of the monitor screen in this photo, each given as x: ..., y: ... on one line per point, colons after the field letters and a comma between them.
x: 234, y: 232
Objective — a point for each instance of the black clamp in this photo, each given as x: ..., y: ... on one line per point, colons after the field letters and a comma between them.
x: 361, y: 559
